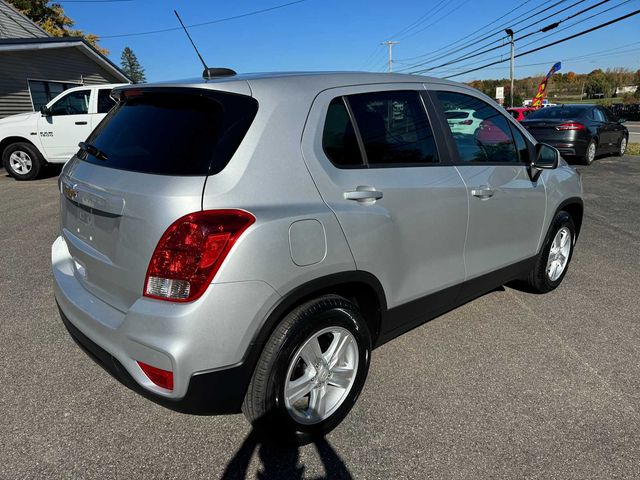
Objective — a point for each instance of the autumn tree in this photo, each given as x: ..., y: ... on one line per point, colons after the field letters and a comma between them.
x: 52, y: 19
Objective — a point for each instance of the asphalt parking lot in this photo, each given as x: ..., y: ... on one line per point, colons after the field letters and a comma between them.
x: 511, y: 385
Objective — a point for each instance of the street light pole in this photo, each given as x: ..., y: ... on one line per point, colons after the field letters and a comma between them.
x: 390, y: 44
x: 509, y: 32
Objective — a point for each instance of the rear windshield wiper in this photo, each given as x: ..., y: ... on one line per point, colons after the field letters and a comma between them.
x: 91, y: 150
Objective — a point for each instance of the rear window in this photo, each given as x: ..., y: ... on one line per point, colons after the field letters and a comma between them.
x: 173, y: 131
x: 453, y: 115
x: 557, y: 112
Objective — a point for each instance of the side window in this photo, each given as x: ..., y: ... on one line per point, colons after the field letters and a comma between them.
x: 394, y: 128
x: 598, y: 115
x: 105, y: 102
x: 609, y: 115
x: 485, y: 136
x: 74, y: 103
x: 339, y: 138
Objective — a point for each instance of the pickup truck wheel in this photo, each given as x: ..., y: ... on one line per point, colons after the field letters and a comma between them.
x: 22, y: 161
x: 311, y: 371
x: 553, y: 261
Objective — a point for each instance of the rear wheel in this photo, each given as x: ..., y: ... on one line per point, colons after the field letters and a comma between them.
x: 22, y: 161
x: 311, y: 371
x: 553, y: 261
x: 590, y: 153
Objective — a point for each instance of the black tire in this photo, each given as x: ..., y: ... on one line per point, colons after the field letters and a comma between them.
x: 538, y: 280
x: 264, y: 404
x: 622, y: 146
x: 587, y: 159
x: 26, y: 151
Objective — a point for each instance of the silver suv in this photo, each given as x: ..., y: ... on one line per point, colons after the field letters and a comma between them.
x: 243, y: 243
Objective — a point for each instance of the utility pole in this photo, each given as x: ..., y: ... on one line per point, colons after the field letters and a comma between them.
x: 509, y: 32
x: 390, y: 44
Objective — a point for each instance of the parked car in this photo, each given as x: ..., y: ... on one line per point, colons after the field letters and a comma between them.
x: 243, y: 243
x: 520, y: 113
x: 581, y: 131
x: 28, y: 141
x: 462, y: 120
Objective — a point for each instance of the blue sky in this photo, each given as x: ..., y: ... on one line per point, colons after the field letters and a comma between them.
x: 345, y: 35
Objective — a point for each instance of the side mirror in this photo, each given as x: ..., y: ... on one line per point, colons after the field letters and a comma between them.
x: 45, y: 111
x: 547, y: 158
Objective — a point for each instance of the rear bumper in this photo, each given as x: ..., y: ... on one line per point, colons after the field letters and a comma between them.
x: 204, y: 343
x: 568, y: 144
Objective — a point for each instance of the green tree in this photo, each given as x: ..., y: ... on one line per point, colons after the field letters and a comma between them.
x: 131, y: 66
x: 597, y: 85
x: 52, y: 19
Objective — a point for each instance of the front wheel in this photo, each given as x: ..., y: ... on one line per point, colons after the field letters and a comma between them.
x: 553, y: 261
x: 22, y: 161
x: 622, y: 147
x: 311, y: 371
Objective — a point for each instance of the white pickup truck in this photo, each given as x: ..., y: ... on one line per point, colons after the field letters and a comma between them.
x: 30, y: 140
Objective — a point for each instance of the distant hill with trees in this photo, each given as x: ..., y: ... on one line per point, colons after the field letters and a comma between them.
x: 570, y: 86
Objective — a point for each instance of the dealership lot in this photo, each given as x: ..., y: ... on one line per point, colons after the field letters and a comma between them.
x: 510, y: 385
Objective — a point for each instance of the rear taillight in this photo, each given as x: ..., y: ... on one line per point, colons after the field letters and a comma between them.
x: 161, y: 378
x: 190, y: 253
x: 570, y: 126
x: 466, y: 122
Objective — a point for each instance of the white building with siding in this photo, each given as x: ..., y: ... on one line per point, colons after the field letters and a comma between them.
x: 35, y: 67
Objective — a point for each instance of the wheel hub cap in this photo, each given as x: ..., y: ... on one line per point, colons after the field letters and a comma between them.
x: 20, y: 162
x: 559, y: 254
x: 321, y: 375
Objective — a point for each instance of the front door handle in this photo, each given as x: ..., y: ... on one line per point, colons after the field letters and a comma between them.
x: 81, y: 123
x: 364, y: 194
x: 483, y: 192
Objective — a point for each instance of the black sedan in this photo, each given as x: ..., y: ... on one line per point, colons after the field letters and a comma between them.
x: 581, y: 131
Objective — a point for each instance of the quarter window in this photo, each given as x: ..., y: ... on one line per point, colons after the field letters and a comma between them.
x: 394, y: 128
x: 485, y: 137
x: 339, y: 138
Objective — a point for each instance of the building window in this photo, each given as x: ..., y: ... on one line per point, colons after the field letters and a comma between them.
x: 43, y: 92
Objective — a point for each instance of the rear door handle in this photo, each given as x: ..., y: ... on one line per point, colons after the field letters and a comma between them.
x: 483, y: 192
x: 363, y: 194
x: 81, y: 123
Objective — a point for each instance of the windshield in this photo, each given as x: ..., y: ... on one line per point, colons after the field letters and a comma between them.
x: 172, y: 131
x: 566, y: 111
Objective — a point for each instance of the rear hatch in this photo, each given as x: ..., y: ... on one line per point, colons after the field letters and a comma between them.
x: 149, y: 161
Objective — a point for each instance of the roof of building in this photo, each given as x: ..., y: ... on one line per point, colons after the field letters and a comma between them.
x: 14, y: 24
x: 40, y: 43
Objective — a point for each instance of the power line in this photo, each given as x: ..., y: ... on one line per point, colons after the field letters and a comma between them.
x: 481, y: 38
x: 562, y: 40
x: 546, y: 28
x: 248, y: 14
x: 437, y: 20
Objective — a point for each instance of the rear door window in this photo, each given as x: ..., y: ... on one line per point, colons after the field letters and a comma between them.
x: 105, y: 102
x: 172, y: 131
x: 394, y: 128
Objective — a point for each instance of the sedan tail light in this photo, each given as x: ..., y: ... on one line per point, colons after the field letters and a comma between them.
x: 190, y: 253
x: 570, y: 126
x: 466, y: 122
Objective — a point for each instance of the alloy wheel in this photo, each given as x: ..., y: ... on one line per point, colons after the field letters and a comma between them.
x: 20, y: 162
x: 559, y: 254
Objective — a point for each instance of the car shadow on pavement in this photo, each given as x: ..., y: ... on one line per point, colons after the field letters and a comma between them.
x: 278, y: 461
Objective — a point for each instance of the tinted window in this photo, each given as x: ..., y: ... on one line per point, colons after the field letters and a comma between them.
x: 74, y: 103
x: 338, y: 138
x: 598, y: 115
x: 173, y: 131
x: 105, y: 102
x: 486, y: 137
x: 521, y: 145
x: 453, y: 114
x: 394, y: 128
x: 563, y: 112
